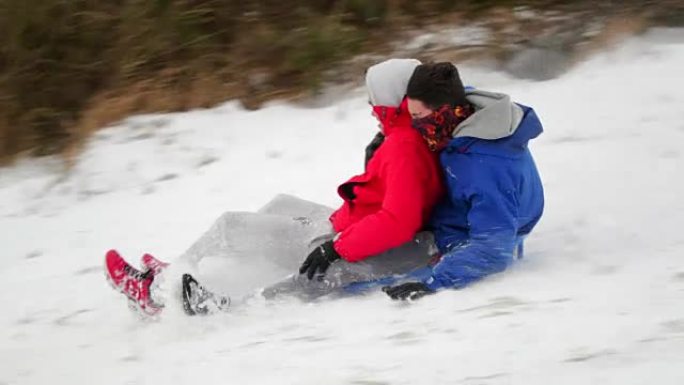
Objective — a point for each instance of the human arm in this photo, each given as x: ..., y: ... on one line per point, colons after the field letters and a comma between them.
x: 491, y: 229
x: 492, y: 220
x: 406, y: 194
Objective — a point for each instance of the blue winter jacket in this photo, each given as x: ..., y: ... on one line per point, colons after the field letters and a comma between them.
x: 495, y: 196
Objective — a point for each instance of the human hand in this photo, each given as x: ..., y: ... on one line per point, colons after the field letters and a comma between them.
x: 409, y: 290
x: 319, y: 260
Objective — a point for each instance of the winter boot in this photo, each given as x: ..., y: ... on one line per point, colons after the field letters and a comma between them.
x: 197, y: 300
x: 133, y: 283
x: 151, y: 263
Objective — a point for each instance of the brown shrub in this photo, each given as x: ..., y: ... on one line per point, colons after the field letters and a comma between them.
x: 68, y: 67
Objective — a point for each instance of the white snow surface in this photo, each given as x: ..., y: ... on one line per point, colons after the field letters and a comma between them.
x: 598, y: 299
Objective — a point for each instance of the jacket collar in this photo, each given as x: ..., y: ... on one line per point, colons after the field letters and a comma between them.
x: 393, y: 118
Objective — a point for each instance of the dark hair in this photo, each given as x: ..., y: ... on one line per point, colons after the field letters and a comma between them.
x: 436, y: 84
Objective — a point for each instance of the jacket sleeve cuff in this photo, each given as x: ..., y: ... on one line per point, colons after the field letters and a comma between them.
x: 432, y: 284
x: 339, y: 250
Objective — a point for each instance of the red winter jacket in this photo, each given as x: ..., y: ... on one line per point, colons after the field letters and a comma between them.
x: 393, y: 199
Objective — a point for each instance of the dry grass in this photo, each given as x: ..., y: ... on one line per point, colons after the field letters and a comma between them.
x: 68, y: 67
x: 616, y: 29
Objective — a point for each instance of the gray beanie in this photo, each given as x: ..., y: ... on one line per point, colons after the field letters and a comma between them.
x: 386, y: 82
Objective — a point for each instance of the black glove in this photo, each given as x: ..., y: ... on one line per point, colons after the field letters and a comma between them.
x: 319, y: 260
x: 373, y: 145
x: 410, y: 290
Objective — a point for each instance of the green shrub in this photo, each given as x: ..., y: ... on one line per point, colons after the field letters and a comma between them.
x: 53, y: 59
x: 366, y: 12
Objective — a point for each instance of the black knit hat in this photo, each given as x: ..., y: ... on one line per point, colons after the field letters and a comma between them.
x: 437, y: 84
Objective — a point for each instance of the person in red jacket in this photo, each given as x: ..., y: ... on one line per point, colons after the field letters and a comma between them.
x: 392, y: 200
x: 376, y: 232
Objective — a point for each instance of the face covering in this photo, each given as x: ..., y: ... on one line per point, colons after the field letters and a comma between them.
x: 438, y: 127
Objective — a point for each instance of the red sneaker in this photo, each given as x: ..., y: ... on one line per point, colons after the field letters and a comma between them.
x: 153, y: 264
x: 130, y: 281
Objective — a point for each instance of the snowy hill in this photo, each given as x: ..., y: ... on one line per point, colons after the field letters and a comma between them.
x: 599, y: 297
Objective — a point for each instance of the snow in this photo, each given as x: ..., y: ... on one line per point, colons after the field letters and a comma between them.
x: 598, y: 298
x: 470, y: 36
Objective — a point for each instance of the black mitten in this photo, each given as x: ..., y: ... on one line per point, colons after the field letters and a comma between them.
x: 319, y: 260
x: 410, y: 290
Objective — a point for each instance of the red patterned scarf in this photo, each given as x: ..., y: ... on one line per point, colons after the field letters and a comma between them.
x: 438, y: 127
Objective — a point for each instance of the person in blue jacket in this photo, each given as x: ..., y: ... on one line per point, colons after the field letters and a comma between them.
x: 494, y: 192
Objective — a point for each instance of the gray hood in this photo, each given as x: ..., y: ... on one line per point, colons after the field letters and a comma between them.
x: 495, y: 116
x: 386, y: 82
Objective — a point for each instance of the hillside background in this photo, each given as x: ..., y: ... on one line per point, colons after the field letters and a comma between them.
x: 69, y: 67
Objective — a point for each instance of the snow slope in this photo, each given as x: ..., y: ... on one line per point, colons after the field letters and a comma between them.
x: 598, y: 299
